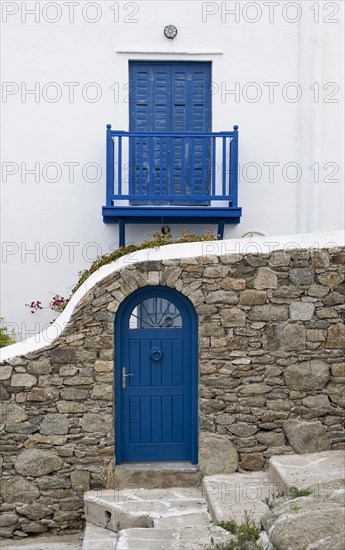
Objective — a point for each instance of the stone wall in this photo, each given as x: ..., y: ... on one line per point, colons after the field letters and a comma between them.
x: 271, y: 378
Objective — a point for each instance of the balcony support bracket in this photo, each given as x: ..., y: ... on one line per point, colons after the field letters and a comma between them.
x: 221, y: 225
x: 122, y: 232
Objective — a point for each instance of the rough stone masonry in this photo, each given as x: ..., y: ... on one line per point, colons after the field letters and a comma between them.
x: 271, y: 379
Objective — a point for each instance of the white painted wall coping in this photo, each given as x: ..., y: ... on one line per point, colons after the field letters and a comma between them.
x: 253, y: 245
x: 169, y: 52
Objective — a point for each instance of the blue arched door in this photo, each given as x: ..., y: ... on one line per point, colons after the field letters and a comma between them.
x: 156, y: 378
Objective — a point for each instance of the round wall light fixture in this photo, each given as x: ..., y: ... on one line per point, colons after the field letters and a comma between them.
x: 170, y: 31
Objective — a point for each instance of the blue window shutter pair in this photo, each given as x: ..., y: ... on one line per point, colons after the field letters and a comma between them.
x: 169, y: 97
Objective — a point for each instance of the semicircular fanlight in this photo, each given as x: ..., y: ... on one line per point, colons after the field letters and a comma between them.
x: 155, y: 313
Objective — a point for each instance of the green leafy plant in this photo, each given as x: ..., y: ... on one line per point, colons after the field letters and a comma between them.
x: 229, y: 525
x: 6, y: 338
x: 280, y: 494
x: 296, y: 493
x: 234, y: 545
x: 231, y: 545
x: 270, y: 502
x: 246, y: 533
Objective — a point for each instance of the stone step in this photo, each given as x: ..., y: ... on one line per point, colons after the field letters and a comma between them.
x: 232, y: 496
x: 136, y: 507
x: 179, y: 518
x: 96, y: 538
x: 196, y: 519
x: 157, y: 475
x: 290, y: 472
x: 190, y: 538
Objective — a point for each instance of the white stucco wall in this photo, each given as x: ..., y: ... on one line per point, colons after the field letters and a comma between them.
x: 257, y: 45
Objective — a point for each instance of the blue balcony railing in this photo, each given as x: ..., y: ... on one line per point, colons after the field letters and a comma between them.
x: 153, y: 176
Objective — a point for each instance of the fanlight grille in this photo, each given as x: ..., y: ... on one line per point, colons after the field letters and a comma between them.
x: 155, y: 313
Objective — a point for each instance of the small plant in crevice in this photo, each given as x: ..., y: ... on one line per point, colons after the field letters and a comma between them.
x: 248, y: 531
x: 234, y: 545
x: 246, y: 535
x: 291, y: 494
x: 231, y: 545
x: 229, y: 525
x: 296, y: 493
x: 270, y: 502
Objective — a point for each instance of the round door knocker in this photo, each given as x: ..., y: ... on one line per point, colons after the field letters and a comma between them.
x: 156, y: 354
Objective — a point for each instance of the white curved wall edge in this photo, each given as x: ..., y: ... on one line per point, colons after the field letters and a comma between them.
x: 170, y: 252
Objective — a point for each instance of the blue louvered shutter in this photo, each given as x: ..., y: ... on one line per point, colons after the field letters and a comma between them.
x: 169, y: 97
x: 201, y: 122
x: 191, y: 112
x: 161, y: 122
x: 139, y: 121
x: 150, y: 111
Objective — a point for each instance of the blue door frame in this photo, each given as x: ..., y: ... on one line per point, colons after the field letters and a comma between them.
x: 156, y: 414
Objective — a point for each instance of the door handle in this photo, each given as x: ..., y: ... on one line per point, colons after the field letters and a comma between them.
x: 124, y: 377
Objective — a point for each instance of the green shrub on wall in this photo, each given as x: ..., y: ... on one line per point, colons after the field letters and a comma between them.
x: 157, y: 240
x: 6, y: 339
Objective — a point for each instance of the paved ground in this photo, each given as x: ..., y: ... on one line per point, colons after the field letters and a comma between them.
x: 70, y: 542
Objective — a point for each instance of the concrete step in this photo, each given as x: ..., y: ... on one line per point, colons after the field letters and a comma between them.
x: 230, y: 497
x: 96, y: 538
x: 156, y: 475
x: 192, y: 538
x: 128, y: 508
x: 290, y: 472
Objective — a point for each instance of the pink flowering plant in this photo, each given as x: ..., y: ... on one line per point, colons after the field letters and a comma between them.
x: 58, y: 303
